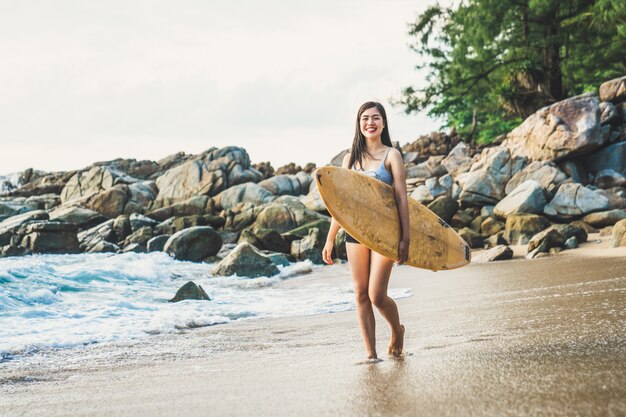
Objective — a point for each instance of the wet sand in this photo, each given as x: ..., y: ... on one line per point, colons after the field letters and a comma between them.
x: 519, y: 337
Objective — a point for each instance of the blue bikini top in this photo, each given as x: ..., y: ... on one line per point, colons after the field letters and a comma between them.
x: 381, y: 173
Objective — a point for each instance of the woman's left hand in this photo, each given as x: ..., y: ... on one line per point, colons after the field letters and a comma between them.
x: 403, y: 251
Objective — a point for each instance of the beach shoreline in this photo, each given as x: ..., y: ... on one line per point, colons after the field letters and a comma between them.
x: 519, y: 337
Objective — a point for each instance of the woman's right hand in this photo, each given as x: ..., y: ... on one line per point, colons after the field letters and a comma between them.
x: 327, y: 252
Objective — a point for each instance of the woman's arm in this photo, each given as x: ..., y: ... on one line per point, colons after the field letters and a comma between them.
x: 334, y: 227
x: 396, y: 164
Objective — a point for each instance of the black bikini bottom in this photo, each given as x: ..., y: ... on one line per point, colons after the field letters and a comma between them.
x: 350, y: 239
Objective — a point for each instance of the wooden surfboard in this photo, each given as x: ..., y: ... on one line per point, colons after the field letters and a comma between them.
x: 366, y: 209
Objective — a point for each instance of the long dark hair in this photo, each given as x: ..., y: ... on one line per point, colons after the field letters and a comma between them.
x: 359, y: 150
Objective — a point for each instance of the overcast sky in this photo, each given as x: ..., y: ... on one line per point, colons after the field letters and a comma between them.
x: 85, y: 81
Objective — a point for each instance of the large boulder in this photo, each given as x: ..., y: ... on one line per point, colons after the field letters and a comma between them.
x: 243, y: 193
x: 190, y: 291
x: 96, y: 236
x: 313, y: 200
x: 310, y: 247
x: 245, y: 261
x: 611, y: 157
x: 444, y: 207
x: 284, y: 214
x: 473, y: 238
x: 92, y: 181
x: 176, y: 224
x: 207, y: 174
x: 429, y: 168
x: 431, y: 189
x: 614, y: 90
x: 544, y: 241
x: 140, y: 236
x: 519, y: 228
x: 562, y: 130
x: 570, y: 230
x: 240, y: 216
x: 605, y: 218
x: 497, y: 253
x: 619, y: 234
x: 80, y: 216
x: 458, y: 160
x: 528, y: 197
x: 197, y: 204
x: 609, y: 178
x: 193, y: 244
x: 573, y: 201
x: 484, y: 183
x: 44, y: 183
x: 49, y: 237
x: 288, y: 184
x: 157, y: 243
x: 546, y: 173
x: 322, y: 225
x: 122, y: 199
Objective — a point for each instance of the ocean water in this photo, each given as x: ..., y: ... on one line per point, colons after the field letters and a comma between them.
x: 62, y: 301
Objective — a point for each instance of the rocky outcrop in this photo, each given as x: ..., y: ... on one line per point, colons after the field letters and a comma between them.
x: 562, y: 130
x: 310, y: 247
x: 92, y: 181
x: 544, y: 241
x: 444, y: 207
x: 497, y: 253
x: 193, y: 244
x: 284, y: 214
x: 243, y: 193
x: 528, y: 197
x: 459, y: 160
x: 122, y: 199
x: 48, y: 237
x: 519, y: 228
x: 574, y: 201
x: 245, y: 261
x: 83, y: 218
x: 435, y: 143
x: 614, y: 90
x: 605, y: 218
x: 545, y: 173
x: 618, y: 235
x: 197, y: 204
x: 427, y: 169
x: 190, y: 291
x: 207, y: 174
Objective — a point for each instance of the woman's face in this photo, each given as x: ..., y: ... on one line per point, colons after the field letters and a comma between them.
x: 371, y: 123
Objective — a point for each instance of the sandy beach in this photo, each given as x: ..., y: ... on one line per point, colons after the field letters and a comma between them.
x: 520, y: 337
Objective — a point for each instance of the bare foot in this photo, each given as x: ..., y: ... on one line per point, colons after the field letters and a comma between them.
x: 369, y: 361
x: 397, y: 344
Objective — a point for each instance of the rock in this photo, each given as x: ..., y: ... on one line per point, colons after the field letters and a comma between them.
x: 122, y: 199
x: 132, y: 168
x: 476, y: 223
x: 240, y: 216
x: 310, y: 247
x: 43, y: 202
x: 616, y: 197
x: 243, y: 193
x: 546, y: 173
x: 608, y: 178
x: 619, y: 234
x: 571, y: 230
x: 209, y: 174
x: 608, y: 113
x: 458, y: 160
x: 461, y: 219
x: 194, y: 205
x: 487, y: 211
x: 81, y: 217
x: 288, y: 184
x: 176, y: 224
x: 337, y: 160
x: 410, y: 158
x: 614, y: 90
x: 14, y: 222
x: 9, y: 250
x: 444, y: 207
x: 519, y: 228
x: 585, y: 226
x: 484, y: 183
x: 575, y: 170
x: 140, y: 236
x: 495, y: 240
x: 135, y: 248
x: 339, y: 246
x: 606, y: 231
x: 46, y: 184
x: 122, y: 227
x: 228, y: 237
x: 193, y: 244
x: 574, y: 200
x: 102, y: 246
x: 434, y: 143
x: 139, y: 221
x: 88, y: 239
x: 264, y: 168
x: 490, y: 226
x: 546, y: 239
x: 190, y: 291
x: 611, y: 157
x: 430, y: 190
x: 247, y: 236
x: 605, y: 218
x: 279, y: 259
x: 272, y: 240
x: 245, y: 261
x: 322, y: 225
x: 430, y: 168
x: 571, y: 243
x: 157, y: 243
x: 92, y: 181
x: 313, y: 200
x: 284, y: 214
x: 497, y: 253
x: 528, y: 197
x: 473, y: 239
x: 49, y: 237
x: 562, y: 130
x: 173, y: 160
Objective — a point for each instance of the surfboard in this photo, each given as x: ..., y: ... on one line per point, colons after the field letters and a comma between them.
x: 366, y: 208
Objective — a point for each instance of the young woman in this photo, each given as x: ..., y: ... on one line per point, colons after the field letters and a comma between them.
x: 373, y: 154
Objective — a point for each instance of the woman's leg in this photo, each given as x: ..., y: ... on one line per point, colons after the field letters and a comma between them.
x: 380, y: 271
x: 359, y: 261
